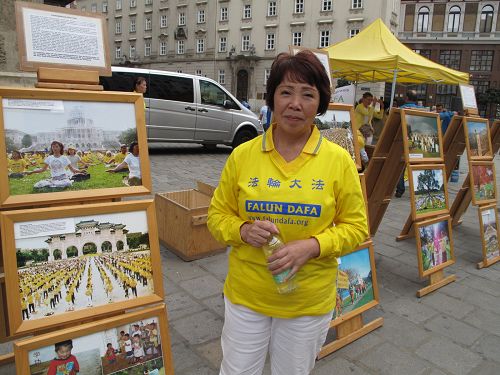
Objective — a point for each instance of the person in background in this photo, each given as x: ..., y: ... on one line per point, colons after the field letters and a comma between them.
x: 140, y: 85
x: 364, y: 114
x: 445, y: 117
x: 410, y: 102
x: 132, y: 162
x: 264, y: 118
x: 245, y: 103
x: 290, y: 165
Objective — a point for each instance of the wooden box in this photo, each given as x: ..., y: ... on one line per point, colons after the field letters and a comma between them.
x: 182, y: 222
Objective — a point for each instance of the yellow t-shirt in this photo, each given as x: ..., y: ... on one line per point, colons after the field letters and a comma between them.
x: 17, y: 166
x: 304, y: 198
x: 119, y: 158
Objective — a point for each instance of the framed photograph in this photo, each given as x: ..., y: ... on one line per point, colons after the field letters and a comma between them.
x: 56, y: 37
x: 62, y: 145
x: 488, y: 218
x: 483, y: 182
x: 428, y: 189
x: 434, y: 245
x: 79, y: 262
x: 422, y: 137
x: 477, y: 138
x: 135, y: 343
x: 357, y: 289
x: 320, y: 54
x: 468, y: 95
x: 337, y: 126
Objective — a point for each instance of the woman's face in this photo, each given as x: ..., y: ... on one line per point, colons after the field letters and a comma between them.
x: 56, y: 149
x: 141, y: 87
x: 295, y: 105
x: 135, y: 150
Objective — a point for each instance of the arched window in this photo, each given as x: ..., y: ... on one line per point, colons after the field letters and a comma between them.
x: 423, y: 20
x: 486, y: 19
x: 454, y: 19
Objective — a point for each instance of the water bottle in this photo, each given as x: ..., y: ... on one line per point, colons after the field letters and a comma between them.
x: 274, y: 244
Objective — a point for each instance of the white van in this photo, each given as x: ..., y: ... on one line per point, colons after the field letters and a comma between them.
x: 184, y: 108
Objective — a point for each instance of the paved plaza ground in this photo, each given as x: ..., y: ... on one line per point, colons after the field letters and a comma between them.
x: 454, y: 331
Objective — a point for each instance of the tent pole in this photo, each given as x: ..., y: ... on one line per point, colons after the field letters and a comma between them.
x: 393, y: 88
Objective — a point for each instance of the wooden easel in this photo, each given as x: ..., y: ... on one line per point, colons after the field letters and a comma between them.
x: 436, y: 280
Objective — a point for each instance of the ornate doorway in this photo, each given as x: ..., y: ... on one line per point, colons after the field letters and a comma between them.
x: 242, y: 85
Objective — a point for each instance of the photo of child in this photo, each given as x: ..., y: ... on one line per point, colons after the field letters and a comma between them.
x: 95, y: 354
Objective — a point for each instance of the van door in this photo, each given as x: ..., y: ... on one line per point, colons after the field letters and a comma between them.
x: 214, y: 122
x: 172, y: 109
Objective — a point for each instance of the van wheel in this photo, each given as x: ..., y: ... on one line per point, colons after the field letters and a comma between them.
x: 242, y: 136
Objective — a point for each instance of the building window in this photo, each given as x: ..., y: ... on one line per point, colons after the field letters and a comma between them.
x: 118, y: 52
x: 267, y: 73
x: 132, y: 51
x: 326, y: 5
x: 133, y: 3
x: 93, y: 8
x: 353, y: 32
x: 198, y: 72
x: 270, y: 41
x: 105, y: 7
x: 222, y: 76
x: 163, y: 20
x: 200, y: 45
x: 147, y: 23
x: 118, y: 5
x: 201, y: 16
x: 272, y: 9
x: 118, y: 26
x: 324, y: 38
x: 299, y: 6
x: 132, y: 25
x: 148, y: 2
x: 357, y: 4
x: 486, y: 20
x: 450, y: 58
x: 147, y: 48
x: 454, y: 19
x: 223, y: 14
x: 423, y: 52
x: 480, y: 87
x: 182, y: 19
x: 163, y: 48
x: 481, y: 61
x: 297, y: 38
x: 180, y: 47
x: 247, y: 11
x: 245, y: 42
x: 423, y: 20
x: 222, y: 44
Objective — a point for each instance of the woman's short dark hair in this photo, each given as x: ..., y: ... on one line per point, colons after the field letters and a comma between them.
x: 131, y: 147
x: 302, y: 67
x: 138, y: 81
x: 367, y: 95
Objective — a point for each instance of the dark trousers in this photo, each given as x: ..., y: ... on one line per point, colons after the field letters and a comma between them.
x: 400, y: 188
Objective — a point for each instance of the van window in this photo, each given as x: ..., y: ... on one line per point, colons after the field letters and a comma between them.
x: 123, y: 81
x: 171, y: 88
x: 214, y: 95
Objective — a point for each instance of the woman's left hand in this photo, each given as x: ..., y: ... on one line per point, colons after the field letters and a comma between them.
x: 293, y: 256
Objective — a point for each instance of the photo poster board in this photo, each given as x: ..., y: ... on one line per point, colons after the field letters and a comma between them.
x: 99, y: 347
x: 482, y: 182
x: 477, y: 138
x: 93, y: 124
x: 468, y: 95
x: 109, y: 252
x: 490, y: 229
x: 434, y: 245
x: 428, y: 190
x: 422, y: 136
x: 322, y: 56
x: 338, y: 126
x: 357, y: 292
x: 64, y: 38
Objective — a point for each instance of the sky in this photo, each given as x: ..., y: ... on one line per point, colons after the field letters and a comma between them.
x: 33, y: 121
x: 473, y: 126
x: 136, y: 222
x: 359, y: 260
x: 422, y: 124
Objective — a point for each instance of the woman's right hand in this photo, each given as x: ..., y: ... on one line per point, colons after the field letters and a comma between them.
x: 257, y: 233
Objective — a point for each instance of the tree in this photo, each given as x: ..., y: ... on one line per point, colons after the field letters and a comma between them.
x: 27, y: 141
x: 9, y: 144
x: 427, y: 182
x: 341, y: 82
x: 128, y: 136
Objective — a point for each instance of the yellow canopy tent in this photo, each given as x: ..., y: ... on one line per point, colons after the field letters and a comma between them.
x: 376, y: 55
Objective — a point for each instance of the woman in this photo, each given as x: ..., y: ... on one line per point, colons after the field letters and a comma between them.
x: 140, y: 85
x: 57, y: 162
x: 292, y: 182
x: 132, y: 162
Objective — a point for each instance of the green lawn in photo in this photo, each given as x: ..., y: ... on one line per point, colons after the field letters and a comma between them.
x: 486, y: 191
x: 429, y: 202
x: 365, y: 298
x: 99, y: 179
x: 425, y: 154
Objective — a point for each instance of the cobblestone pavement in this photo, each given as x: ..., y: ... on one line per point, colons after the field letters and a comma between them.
x: 454, y: 331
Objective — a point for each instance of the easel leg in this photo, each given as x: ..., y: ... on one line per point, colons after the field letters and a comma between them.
x: 437, y: 280
x: 407, y: 231
x: 349, y: 331
x: 487, y: 262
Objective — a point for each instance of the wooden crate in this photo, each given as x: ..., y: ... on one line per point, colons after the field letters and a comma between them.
x: 182, y: 222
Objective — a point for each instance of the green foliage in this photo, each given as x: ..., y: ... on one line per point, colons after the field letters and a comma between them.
x: 128, y: 136
x: 341, y: 82
x: 427, y: 181
x: 136, y: 239
x: 9, y: 144
x: 27, y: 141
x: 35, y: 255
